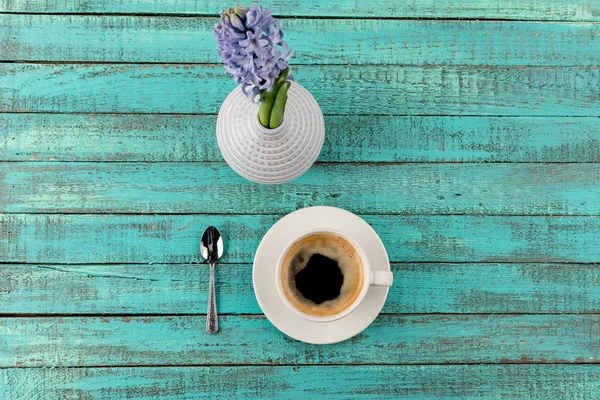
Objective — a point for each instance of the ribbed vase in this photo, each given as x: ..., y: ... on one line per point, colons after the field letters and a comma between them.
x: 271, y: 156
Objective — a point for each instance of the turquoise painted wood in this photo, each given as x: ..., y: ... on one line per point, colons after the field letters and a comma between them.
x: 350, y: 138
x: 543, y: 189
x: 386, y: 90
x: 371, y: 41
x: 466, y: 133
x: 391, y: 339
x: 556, y: 10
x: 94, y: 238
x: 182, y: 289
x: 430, y: 382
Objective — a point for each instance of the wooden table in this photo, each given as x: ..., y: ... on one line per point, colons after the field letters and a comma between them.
x: 465, y: 132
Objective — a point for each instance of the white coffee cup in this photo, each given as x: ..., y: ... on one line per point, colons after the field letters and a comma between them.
x: 371, y: 277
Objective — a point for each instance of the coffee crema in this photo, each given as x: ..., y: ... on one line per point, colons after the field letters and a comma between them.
x: 322, y: 275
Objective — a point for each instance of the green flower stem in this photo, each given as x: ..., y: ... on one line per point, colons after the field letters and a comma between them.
x: 264, y: 111
x: 266, y: 107
x: 279, y: 106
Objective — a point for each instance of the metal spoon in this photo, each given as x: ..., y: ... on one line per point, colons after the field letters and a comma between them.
x: 211, y: 248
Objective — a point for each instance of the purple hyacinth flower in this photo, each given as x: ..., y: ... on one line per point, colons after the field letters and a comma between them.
x: 256, y: 17
x: 254, y: 43
x: 275, y: 34
x: 251, y: 46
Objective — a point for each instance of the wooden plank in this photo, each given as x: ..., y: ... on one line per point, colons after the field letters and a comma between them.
x: 372, y: 41
x: 391, y: 339
x: 350, y: 138
x: 182, y: 289
x: 435, y: 382
x: 60, y: 238
x: 556, y: 10
x: 382, y: 90
x: 543, y: 189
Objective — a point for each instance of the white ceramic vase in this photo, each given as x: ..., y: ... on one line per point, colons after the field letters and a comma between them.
x: 271, y: 156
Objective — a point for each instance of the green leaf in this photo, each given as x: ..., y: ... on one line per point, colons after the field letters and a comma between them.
x: 279, y: 106
x: 265, y: 109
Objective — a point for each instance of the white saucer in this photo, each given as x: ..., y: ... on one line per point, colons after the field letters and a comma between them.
x: 265, y: 263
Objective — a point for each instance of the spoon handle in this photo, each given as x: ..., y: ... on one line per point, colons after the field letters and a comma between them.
x: 212, y: 325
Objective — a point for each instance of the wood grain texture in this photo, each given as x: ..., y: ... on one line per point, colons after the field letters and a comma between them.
x: 386, y: 90
x: 182, y: 289
x: 97, y: 239
x: 371, y: 41
x: 350, y: 138
x: 108, y: 306
x: 489, y: 189
x: 390, y: 339
x: 556, y: 10
x: 435, y: 382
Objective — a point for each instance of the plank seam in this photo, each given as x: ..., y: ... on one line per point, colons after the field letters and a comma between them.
x: 262, y: 316
x: 93, y: 114
x: 286, y: 365
x: 354, y: 163
x: 42, y: 264
x: 318, y: 163
x: 96, y: 113
x: 174, y: 63
x: 191, y: 214
x: 482, y: 19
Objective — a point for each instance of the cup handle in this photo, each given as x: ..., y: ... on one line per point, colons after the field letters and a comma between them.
x: 381, y: 278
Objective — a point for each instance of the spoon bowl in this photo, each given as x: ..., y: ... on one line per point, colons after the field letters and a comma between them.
x: 211, y: 245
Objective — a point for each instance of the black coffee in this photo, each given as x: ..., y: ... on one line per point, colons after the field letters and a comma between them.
x: 322, y: 274
x: 320, y: 280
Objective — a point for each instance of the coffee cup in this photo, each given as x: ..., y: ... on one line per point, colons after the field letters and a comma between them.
x: 323, y: 275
